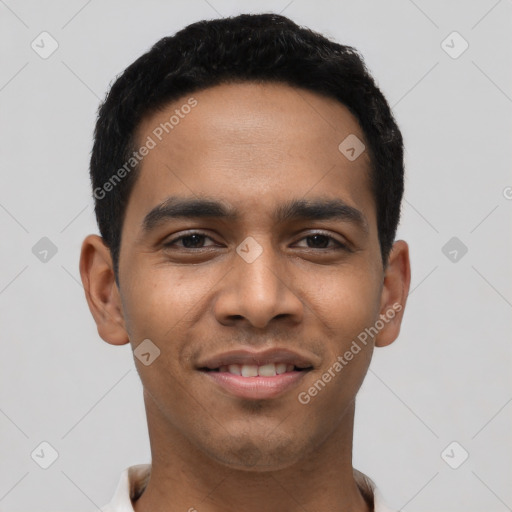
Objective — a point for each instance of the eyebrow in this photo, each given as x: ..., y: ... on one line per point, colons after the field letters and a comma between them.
x: 296, y: 209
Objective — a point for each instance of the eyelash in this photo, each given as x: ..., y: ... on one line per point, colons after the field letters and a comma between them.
x: 340, y: 245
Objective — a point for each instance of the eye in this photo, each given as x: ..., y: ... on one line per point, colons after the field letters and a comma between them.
x: 196, y: 240
x: 322, y: 241
x: 193, y: 240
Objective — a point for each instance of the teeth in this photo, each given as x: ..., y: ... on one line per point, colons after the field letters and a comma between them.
x: 267, y: 370
x: 249, y: 370
x: 252, y: 370
x: 280, y: 368
x: 234, y: 369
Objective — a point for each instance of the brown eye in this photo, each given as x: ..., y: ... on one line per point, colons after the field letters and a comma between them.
x: 318, y: 241
x: 323, y: 241
x: 192, y: 241
x: 189, y: 241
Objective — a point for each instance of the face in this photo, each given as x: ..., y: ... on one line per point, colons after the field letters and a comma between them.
x: 250, y: 259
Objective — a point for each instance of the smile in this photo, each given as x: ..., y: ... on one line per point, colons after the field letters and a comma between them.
x: 256, y: 376
x: 253, y: 370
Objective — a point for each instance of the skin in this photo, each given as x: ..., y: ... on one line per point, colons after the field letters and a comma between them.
x: 252, y: 147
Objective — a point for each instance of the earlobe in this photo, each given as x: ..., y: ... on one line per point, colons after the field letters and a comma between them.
x: 397, y: 279
x: 101, y: 291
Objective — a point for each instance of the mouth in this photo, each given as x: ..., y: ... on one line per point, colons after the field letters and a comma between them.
x: 256, y: 376
x: 254, y: 370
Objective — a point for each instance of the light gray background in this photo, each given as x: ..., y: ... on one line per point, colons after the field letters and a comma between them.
x: 447, y: 378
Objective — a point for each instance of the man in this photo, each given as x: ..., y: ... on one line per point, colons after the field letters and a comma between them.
x: 248, y: 176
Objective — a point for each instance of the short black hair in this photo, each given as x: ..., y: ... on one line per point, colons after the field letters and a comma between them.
x: 244, y: 48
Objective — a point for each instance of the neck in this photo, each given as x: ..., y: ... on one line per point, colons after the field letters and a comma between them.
x: 183, y: 478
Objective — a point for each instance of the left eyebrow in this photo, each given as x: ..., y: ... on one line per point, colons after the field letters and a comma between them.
x: 321, y: 209
x: 296, y: 209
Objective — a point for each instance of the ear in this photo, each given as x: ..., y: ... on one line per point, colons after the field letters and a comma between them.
x: 397, y: 279
x: 101, y: 291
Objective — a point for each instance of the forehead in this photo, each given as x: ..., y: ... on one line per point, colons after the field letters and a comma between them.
x: 254, y: 146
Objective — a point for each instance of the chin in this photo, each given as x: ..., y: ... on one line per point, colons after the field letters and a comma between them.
x: 258, y: 456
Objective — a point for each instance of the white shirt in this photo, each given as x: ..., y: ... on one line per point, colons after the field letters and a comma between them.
x: 135, y: 478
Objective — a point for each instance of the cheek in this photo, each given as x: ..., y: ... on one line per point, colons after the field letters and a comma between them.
x: 350, y: 302
x: 160, y: 301
x: 158, y: 305
x: 346, y: 300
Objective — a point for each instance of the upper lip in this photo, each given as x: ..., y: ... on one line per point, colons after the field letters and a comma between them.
x: 241, y: 357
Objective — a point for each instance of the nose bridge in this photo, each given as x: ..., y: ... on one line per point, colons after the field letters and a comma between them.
x: 257, y: 289
x: 258, y: 274
x: 257, y: 268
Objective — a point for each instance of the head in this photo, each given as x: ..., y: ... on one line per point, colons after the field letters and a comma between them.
x: 248, y: 48
x: 232, y: 218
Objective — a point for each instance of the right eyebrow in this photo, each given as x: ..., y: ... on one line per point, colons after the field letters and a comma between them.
x: 176, y: 207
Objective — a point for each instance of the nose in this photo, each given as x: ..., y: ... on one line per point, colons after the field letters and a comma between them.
x: 258, y: 292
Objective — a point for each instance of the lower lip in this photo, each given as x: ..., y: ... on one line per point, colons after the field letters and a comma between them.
x: 256, y: 388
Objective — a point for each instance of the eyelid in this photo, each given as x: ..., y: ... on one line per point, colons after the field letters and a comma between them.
x: 340, y: 245
x: 185, y: 235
